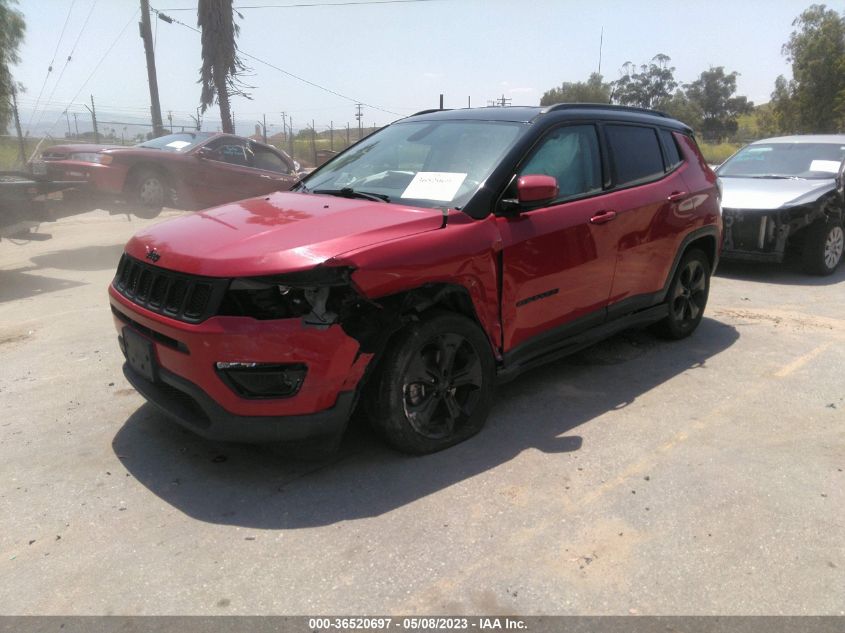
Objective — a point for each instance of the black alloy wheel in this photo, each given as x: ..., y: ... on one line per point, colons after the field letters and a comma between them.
x: 434, y: 385
x: 687, y: 296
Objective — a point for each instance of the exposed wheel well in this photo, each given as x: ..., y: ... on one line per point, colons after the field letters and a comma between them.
x: 374, y: 329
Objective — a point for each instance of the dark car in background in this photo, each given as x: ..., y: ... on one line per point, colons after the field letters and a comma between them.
x: 191, y: 170
x: 782, y: 194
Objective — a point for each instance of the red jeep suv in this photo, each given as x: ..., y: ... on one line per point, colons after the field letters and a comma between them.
x: 444, y: 253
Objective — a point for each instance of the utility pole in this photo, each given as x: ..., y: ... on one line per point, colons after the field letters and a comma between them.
x: 147, y: 36
x: 170, y: 119
x: 290, y: 136
x: 234, y: 129
x: 347, y: 136
x: 469, y: 102
x: 76, y: 125
x: 359, y: 116
x: 264, y: 128
x: 67, y: 118
x: 21, y: 146
x: 314, y: 141
x: 284, y: 125
x: 93, y: 112
x: 441, y: 100
x: 331, y: 135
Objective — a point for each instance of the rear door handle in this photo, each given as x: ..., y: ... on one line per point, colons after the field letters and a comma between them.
x: 677, y: 196
x: 603, y: 216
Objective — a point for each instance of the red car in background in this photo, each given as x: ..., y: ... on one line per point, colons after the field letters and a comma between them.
x: 192, y: 170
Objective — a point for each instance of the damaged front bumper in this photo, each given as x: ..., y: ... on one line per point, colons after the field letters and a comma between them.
x: 763, y: 235
x: 185, y: 369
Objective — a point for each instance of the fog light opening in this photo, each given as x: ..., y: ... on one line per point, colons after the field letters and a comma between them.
x: 262, y: 380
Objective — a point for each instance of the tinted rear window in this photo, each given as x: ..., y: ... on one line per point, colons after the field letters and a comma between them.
x: 636, y: 153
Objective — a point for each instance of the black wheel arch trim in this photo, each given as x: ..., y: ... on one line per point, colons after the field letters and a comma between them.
x: 711, y: 230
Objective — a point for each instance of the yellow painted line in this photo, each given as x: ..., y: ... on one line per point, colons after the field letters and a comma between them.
x: 799, y: 362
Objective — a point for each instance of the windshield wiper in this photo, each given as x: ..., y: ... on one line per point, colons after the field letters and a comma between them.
x: 774, y: 176
x: 349, y: 192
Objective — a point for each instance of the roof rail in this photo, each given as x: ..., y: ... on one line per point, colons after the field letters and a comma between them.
x: 602, y: 106
x: 429, y: 111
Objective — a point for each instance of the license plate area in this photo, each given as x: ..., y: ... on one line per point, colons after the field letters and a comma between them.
x: 139, y: 353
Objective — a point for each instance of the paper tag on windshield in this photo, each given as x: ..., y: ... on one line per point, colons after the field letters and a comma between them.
x: 830, y: 166
x: 177, y: 144
x: 434, y: 185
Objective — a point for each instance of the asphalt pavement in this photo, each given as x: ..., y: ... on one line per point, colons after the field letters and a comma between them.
x: 705, y: 476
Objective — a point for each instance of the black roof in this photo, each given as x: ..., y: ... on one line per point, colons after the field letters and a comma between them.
x: 557, y: 112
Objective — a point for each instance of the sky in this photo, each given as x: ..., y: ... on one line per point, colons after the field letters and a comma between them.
x: 396, y: 58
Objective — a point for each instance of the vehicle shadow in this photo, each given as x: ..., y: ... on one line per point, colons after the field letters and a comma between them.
x: 86, y: 258
x: 20, y: 284
x: 788, y: 273
x: 261, y: 488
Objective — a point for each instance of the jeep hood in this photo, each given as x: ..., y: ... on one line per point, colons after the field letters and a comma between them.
x: 283, y: 232
x: 766, y: 194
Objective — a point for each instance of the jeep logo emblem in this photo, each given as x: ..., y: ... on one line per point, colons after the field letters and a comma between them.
x: 153, y: 255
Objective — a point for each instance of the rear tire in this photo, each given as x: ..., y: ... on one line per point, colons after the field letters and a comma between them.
x: 687, y: 297
x: 434, y: 386
x: 822, y: 249
x: 149, y: 192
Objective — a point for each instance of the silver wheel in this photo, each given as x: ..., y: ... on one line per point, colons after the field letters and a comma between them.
x: 833, y: 246
x: 151, y: 191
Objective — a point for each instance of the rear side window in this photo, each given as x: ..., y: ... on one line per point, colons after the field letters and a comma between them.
x: 673, y: 156
x: 636, y: 153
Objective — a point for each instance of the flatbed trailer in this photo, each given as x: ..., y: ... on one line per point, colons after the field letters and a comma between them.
x: 23, y: 202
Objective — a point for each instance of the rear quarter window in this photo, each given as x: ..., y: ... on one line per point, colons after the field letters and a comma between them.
x: 670, y: 147
x: 636, y: 153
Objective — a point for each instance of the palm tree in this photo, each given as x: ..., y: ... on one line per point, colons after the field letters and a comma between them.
x: 221, y: 66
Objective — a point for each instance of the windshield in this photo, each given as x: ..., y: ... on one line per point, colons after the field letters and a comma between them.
x: 181, y: 142
x: 420, y: 163
x: 785, y: 160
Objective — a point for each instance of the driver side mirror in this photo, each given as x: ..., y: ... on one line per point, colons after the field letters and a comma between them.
x: 531, y: 190
x: 535, y: 189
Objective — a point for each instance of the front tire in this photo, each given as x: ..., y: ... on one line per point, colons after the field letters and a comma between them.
x: 149, y: 193
x: 434, y: 386
x: 687, y: 297
x: 823, y: 246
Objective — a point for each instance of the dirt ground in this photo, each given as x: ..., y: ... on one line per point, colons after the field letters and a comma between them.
x: 637, y: 477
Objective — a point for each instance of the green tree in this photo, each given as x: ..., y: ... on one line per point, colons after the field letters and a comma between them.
x: 714, y: 93
x: 221, y: 66
x: 594, y: 90
x: 814, y: 101
x: 12, y: 29
x: 646, y: 86
x: 781, y: 114
x: 681, y: 107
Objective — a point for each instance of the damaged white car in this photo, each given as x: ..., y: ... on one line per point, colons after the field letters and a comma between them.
x: 782, y: 194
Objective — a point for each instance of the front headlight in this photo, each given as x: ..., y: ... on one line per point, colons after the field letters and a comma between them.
x: 317, y: 294
x: 92, y: 157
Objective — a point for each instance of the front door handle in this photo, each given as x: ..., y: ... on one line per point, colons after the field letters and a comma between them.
x: 677, y: 196
x: 603, y: 216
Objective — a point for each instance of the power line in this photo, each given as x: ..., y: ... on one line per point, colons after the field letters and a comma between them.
x: 99, y: 63
x: 282, y: 70
x: 69, y: 57
x: 311, y: 4
x: 52, y: 61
